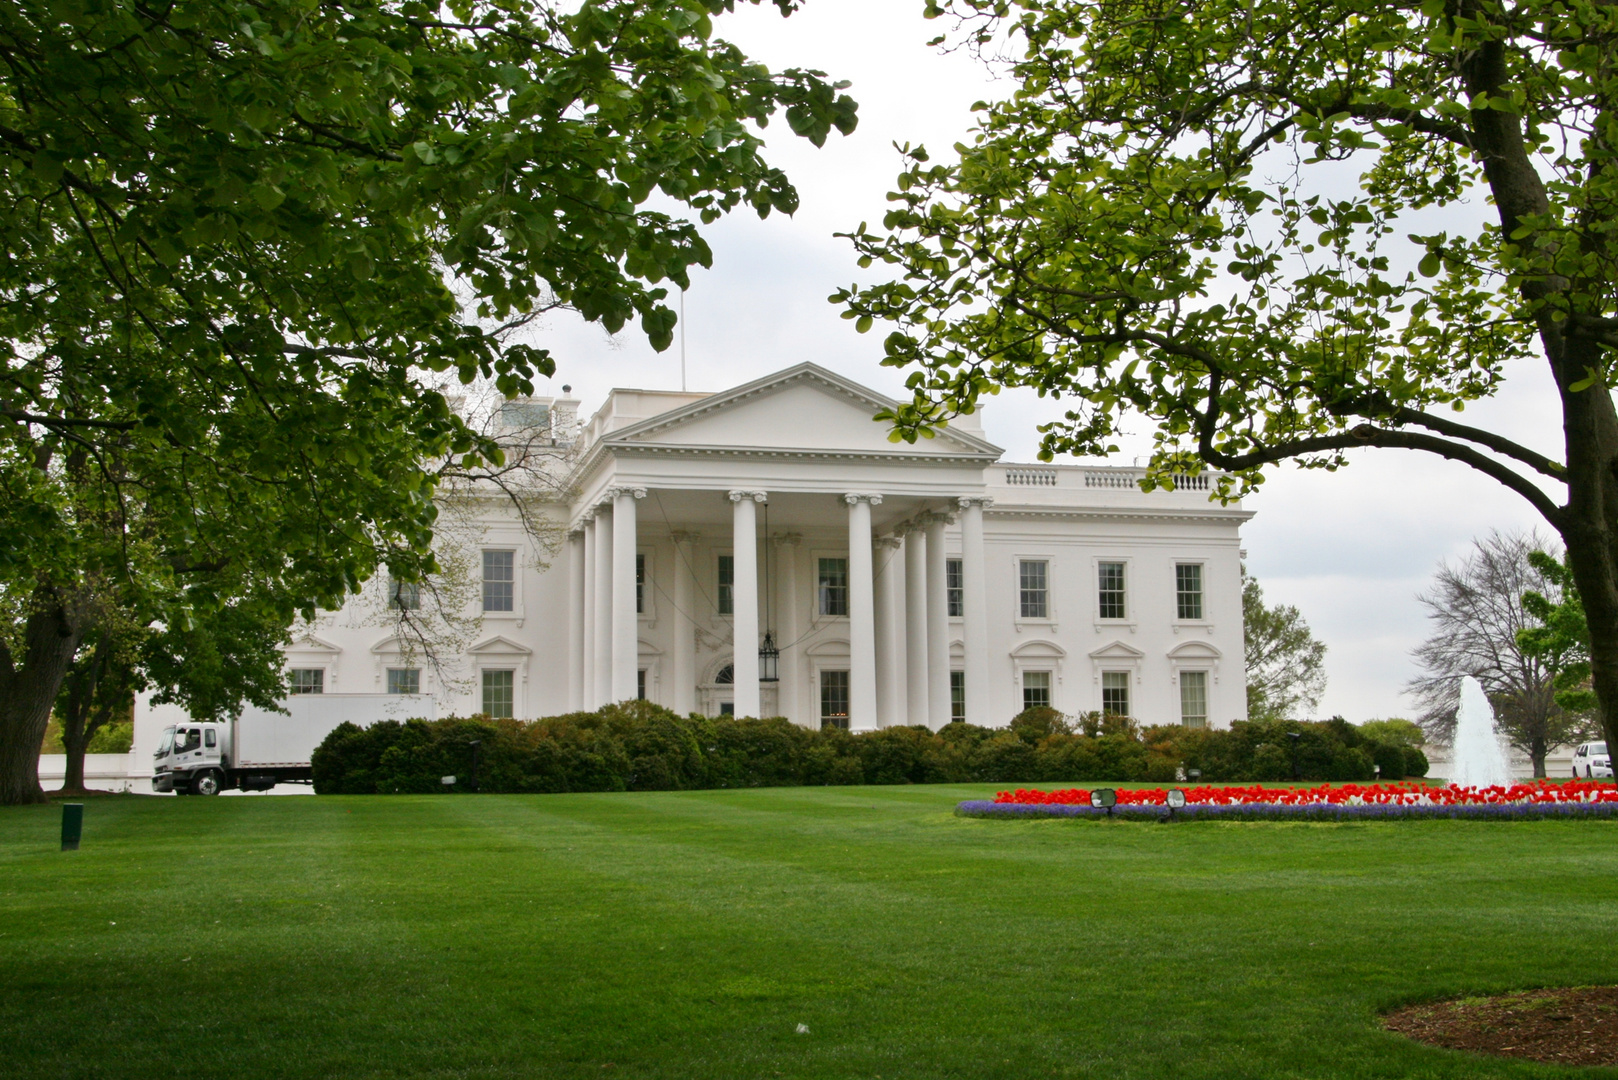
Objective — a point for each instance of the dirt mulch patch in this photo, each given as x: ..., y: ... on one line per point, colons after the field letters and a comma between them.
x: 1574, y: 1026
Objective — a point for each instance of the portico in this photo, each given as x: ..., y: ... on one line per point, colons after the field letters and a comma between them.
x: 711, y: 523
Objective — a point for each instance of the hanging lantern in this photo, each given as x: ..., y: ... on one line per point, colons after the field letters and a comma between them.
x: 769, y: 659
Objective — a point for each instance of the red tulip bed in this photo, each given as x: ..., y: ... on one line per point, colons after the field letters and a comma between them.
x: 1326, y: 802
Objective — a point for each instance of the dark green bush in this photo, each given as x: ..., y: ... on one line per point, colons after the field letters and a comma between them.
x: 638, y: 746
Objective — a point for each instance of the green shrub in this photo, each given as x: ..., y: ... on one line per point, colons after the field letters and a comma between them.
x: 638, y: 746
x: 1391, y: 757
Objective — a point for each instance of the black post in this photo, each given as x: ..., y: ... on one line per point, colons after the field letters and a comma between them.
x: 72, y: 825
x: 477, y: 748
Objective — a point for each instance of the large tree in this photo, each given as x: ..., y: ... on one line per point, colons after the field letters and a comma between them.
x: 1478, y: 613
x: 1282, y: 231
x: 237, y: 232
x: 1286, y: 665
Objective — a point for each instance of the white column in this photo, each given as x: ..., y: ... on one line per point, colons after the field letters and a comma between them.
x: 975, y: 598
x: 916, y: 626
x: 587, y: 688
x: 602, y: 691
x: 887, y: 570
x: 575, y: 620
x: 685, y: 650
x: 937, y: 625
x: 789, y: 691
x: 861, y: 615
x: 744, y: 591
x: 625, y: 620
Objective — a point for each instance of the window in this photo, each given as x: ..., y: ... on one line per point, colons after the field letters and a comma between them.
x: 957, y: 695
x: 307, y: 681
x: 1110, y: 582
x: 727, y: 585
x: 404, y: 595
x: 1115, y: 693
x: 640, y: 684
x: 834, y: 694
x: 1188, y: 590
x: 1194, y: 698
x: 210, y: 738
x: 406, y: 680
x: 1034, y: 578
x: 1036, y: 689
x: 726, y: 676
x: 834, y: 587
x: 498, y: 696
x: 955, y: 588
x: 640, y: 586
x: 499, y: 580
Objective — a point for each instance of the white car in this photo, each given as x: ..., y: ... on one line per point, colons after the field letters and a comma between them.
x: 1591, y: 760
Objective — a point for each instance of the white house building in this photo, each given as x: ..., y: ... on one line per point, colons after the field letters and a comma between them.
x: 898, y: 583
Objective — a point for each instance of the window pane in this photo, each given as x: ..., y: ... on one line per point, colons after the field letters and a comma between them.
x: 404, y: 680
x: 1188, y: 590
x: 955, y: 588
x: 640, y: 585
x: 727, y: 582
x: 307, y: 681
x: 640, y: 684
x: 1036, y: 689
x: 834, y: 699
x: 1034, y: 582
x: 497, y: 694
x: 834, y: 586
x: 404, y: 595
x: 1115, y: 692
x: 957, y: 695
x: 499, y: 580
x: 1194, y: 698
x: 1111, y: 585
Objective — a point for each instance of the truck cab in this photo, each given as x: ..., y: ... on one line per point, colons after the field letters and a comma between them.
x: 193, y: 759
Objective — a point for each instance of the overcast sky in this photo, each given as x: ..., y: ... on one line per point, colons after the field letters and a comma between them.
x: 1351, y: 549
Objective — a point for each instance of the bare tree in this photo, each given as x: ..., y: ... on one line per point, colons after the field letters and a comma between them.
x: 1476, y: 608
x: 435, y: 618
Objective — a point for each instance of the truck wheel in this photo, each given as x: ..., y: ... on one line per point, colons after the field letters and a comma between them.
x: 207, y: 782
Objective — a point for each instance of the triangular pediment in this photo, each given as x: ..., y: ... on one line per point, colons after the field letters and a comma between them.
x: 805, y: 408
x: 1117, y: 650
x: 309, y: 643
x: 500, y: 645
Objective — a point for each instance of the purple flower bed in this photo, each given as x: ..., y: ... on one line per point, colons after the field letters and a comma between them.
x: 982, y: 808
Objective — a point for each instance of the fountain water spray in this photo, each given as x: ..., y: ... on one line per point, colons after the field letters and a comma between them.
x: 1477, y: 758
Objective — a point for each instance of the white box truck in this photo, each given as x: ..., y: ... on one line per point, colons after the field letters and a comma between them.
x: 260, y: 749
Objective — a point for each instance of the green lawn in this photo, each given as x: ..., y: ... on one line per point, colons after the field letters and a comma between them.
x: 689, y: 934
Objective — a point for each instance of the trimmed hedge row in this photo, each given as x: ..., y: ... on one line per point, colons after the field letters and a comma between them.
x: 638, y: 746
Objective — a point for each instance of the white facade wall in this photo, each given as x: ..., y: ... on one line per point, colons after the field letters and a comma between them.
x: 802, y: 446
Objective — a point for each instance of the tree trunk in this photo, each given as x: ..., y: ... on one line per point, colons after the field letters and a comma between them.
x: 77, y: 712
x: 1589, y: 424
x: 1536, y: 754
x: 28, y: 692
x: 1590, y: 524
x: 73, y: 772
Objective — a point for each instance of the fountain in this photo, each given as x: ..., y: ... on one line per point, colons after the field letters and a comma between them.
x: 1477, y: 757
